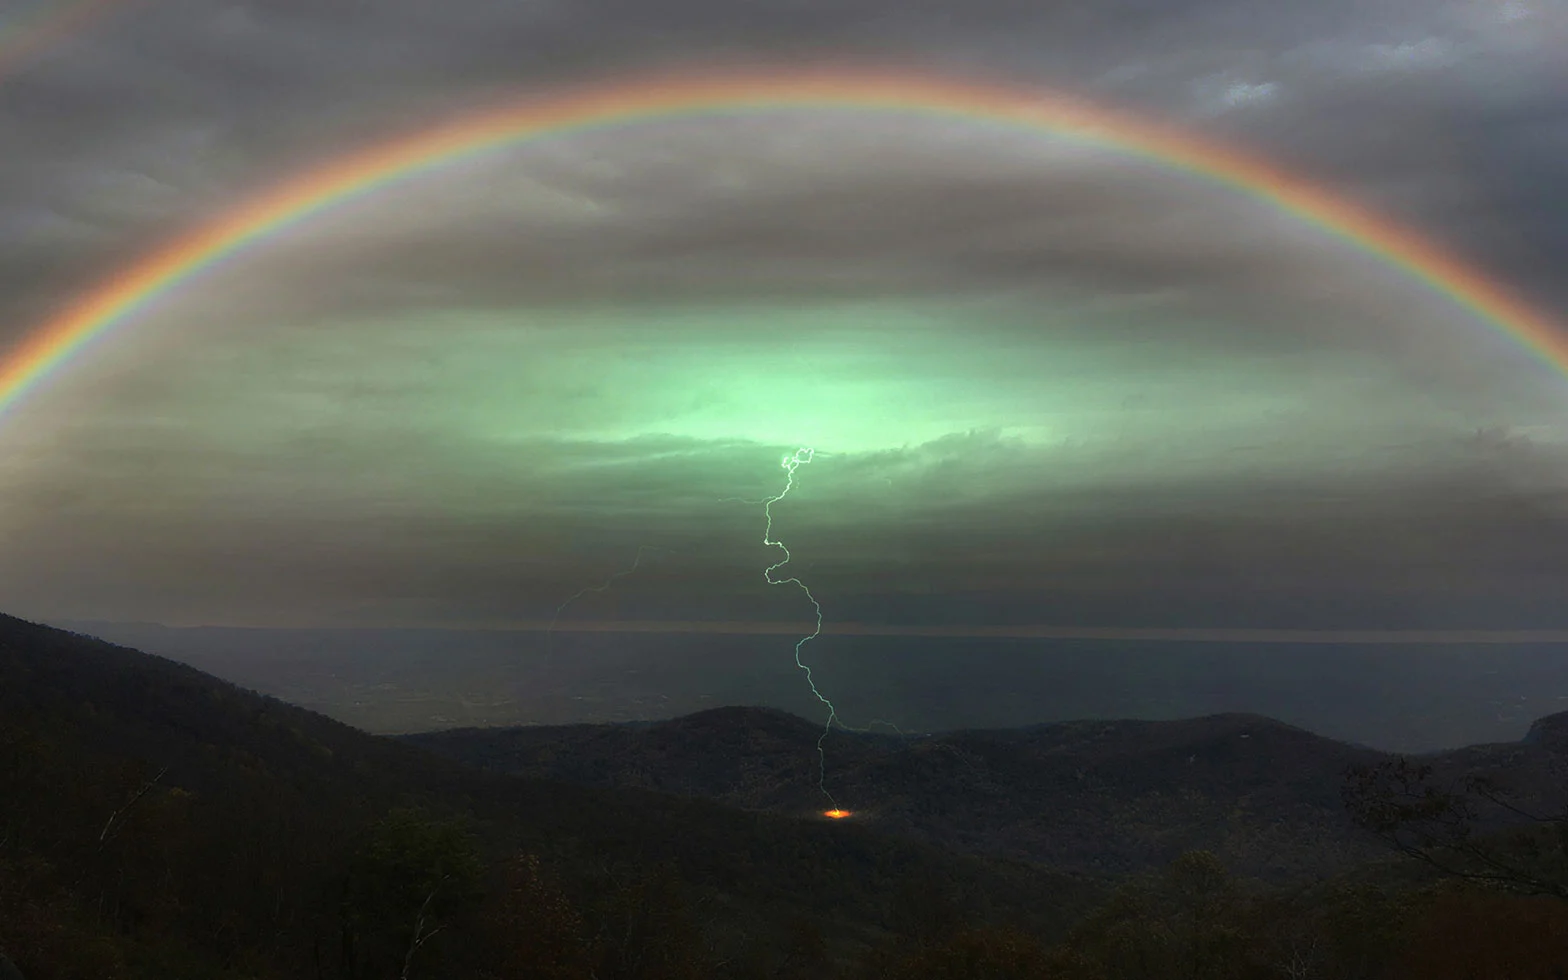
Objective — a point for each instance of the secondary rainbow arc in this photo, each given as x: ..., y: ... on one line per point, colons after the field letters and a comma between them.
x: 660, y: 96
x: 28, y: 36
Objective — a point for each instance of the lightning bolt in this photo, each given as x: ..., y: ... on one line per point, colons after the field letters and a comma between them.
x: 601, y: 588
x: 792, y: 463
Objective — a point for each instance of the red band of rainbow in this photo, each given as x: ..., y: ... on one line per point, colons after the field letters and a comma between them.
x: 663, y: 96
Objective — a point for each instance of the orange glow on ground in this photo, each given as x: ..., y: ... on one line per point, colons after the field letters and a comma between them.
x: 836, y: 814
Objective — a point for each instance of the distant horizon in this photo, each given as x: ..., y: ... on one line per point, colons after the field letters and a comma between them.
x: 1024, y: 631
x: 1397, y: 696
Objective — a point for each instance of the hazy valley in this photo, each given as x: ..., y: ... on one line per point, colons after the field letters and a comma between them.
x: 1394, y: 698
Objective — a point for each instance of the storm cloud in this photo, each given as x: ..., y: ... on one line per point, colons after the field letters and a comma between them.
x: 1033, y: 368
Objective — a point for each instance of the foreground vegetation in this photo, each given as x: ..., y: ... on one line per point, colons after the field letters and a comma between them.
x: 157, y: 823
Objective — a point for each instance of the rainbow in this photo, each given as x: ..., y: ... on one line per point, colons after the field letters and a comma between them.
x: 662, y: 96
x: 24, y: 38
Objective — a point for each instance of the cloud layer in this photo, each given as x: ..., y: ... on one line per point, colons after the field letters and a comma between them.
x: 1033, y: 368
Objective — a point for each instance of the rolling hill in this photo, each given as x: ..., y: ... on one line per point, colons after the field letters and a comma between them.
x: 158, y: 822
x: 1094, y: 796
x: 140, y: 796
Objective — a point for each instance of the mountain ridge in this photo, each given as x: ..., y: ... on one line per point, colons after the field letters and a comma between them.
x: 1262, y: 794
x: 263, y: 797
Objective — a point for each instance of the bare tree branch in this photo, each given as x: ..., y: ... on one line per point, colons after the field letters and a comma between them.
x: 116, y: 820
x: 420, y: 936
x: 1398, y: 803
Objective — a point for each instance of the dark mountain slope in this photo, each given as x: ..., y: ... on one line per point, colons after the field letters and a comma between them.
x: 241, y: 810
x: 1092, y: 796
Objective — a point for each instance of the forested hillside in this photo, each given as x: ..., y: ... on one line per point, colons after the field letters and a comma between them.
x: 1090, y: 796
x: 158, y: 823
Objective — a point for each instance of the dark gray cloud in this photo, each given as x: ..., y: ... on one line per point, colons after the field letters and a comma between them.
x: 171, y: 109
x: 1101, y: 373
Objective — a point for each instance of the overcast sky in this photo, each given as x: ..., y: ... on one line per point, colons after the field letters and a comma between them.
x: 1045, y: 382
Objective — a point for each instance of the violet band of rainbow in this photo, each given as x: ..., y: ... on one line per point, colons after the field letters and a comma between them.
x: 50, y: 346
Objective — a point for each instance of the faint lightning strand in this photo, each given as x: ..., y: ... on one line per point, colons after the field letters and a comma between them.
x: 600, y: 588
x: 791, y: 464
x: 878, y: 721
x: 941, y: 744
